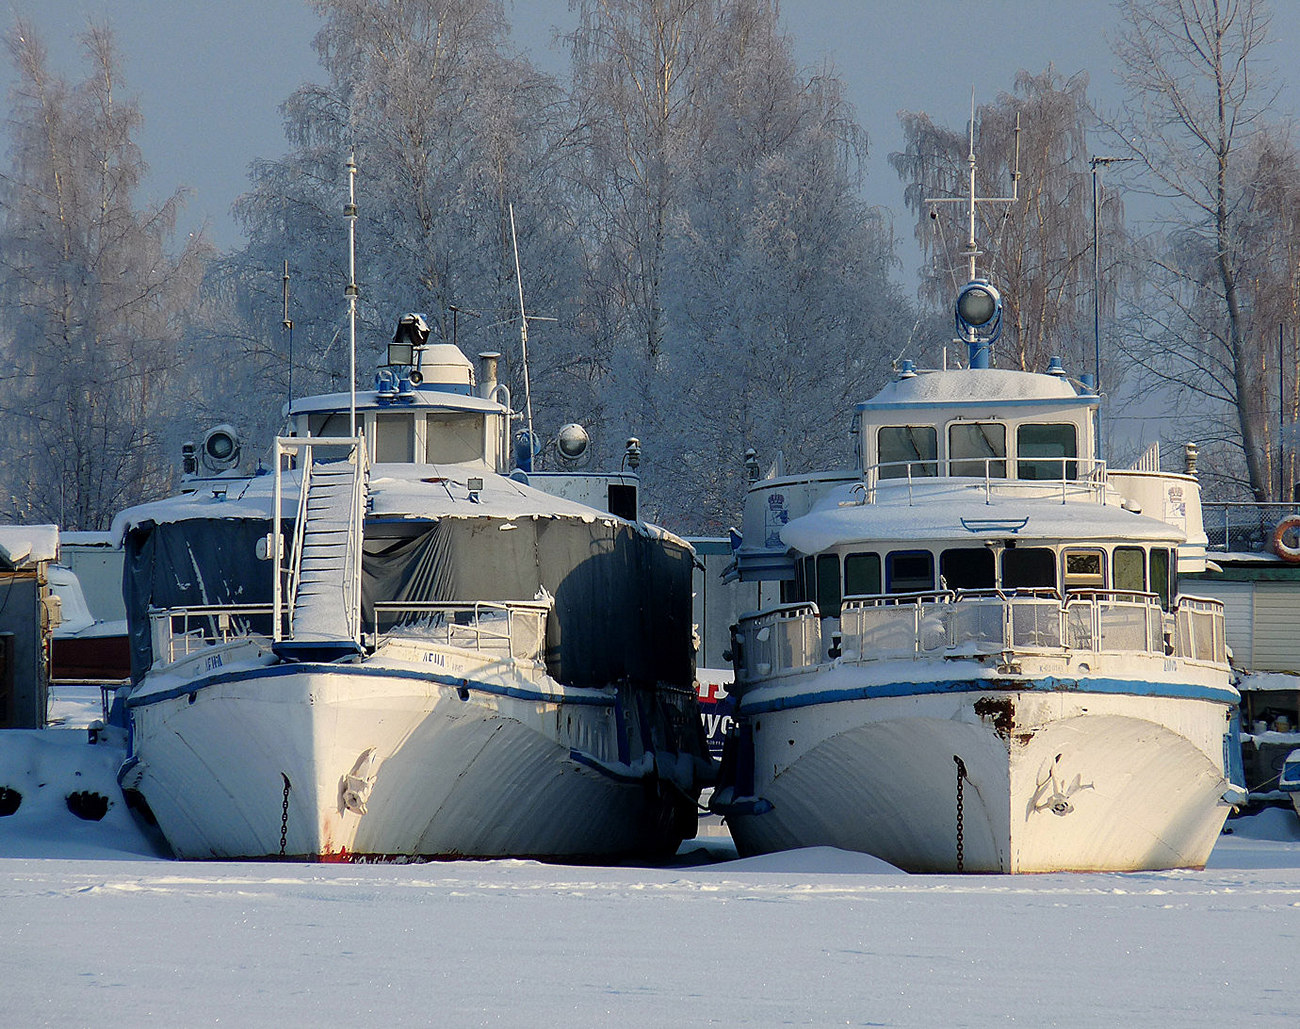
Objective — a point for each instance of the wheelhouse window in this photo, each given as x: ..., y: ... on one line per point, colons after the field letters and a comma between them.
x: 1129, y: 569
x: 976, y: 446
x: 395, y: 438
x: 1026, y: 568
x: 967, y: 568
x: 1046, y: 452
x: 909, y: 571
x: 828, y: 585
x: 329, y: 423
x: 862, y: 575
x: 1163, y: 575
x: 1083, y: 570
x: 907, y: 449
x: 453, y: 437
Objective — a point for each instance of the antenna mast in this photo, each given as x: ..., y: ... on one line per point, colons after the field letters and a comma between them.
x: 350, y: 213
x: 972, y: 250
x: 287, y: 325
x: 523, y: 333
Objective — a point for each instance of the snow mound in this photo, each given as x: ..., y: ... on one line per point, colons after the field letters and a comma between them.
x: 46, y: 767
x: 819, y: 860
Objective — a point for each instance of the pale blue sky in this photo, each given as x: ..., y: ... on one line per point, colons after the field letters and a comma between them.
x: 210, y: 75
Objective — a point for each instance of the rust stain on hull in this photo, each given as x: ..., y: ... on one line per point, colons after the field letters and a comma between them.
x: 1001, y: 711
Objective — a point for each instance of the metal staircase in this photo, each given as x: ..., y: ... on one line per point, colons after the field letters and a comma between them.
x: 317, y: 594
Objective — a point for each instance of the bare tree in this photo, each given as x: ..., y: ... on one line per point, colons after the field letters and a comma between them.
x: 95, y: 304
x: 1194, y: 123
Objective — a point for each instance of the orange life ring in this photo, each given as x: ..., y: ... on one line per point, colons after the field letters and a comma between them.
x: 1291, y: 523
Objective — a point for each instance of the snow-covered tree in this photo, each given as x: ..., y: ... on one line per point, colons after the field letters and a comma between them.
x: 737, y: 288
x: 94, y: 301
x: 448, y: 128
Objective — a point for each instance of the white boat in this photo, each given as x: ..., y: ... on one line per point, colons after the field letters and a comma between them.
x: 387, y: 646
x: 982, y: 661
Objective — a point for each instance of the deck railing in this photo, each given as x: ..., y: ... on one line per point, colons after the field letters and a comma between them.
x: 948, y: 625
x: 181, y: 631
x: 514, y: 629
x: 1077, y: 477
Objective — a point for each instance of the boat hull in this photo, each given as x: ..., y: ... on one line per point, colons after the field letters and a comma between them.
x: 1054, y: 779
x: 383, y: 759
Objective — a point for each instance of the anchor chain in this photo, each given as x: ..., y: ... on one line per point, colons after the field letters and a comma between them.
x: 284, y: 815
x: 961, y: 827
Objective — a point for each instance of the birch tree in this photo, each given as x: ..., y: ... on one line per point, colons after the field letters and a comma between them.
x: 1194, y: 122
x: 95, y: 302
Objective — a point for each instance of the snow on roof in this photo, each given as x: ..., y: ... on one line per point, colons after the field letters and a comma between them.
x: 1269, y: 681
x: 24, y: 545
x: 937, y: 509
x: 416, y: 492
x: 975, y: 386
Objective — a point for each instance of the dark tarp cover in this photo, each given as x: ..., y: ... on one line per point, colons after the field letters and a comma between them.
x: 622, y: 599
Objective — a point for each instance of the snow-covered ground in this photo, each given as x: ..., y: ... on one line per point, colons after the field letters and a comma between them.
x: 97, y: 931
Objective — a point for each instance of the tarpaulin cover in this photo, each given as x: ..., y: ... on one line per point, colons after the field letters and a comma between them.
x: 622, y: 598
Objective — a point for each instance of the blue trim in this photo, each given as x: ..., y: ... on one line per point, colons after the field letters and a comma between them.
x: 1045, y: 685
x: 301, y: 668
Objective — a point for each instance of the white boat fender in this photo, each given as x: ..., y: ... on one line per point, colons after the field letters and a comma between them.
x: 1284, y: 550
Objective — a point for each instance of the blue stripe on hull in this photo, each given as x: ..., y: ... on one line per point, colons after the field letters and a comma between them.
x: 1049, y: 684
x: 364, y: 671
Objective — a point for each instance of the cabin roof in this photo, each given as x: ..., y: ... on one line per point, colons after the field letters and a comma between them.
x: 938, y: 510
x: 428, y: 399
x: 977, y: 387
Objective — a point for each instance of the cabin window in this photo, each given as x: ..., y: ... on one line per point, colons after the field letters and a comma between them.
x: 862, y: 575
x: 1083, y: 570
x: 395, y: 438
x: 907, y: 449
x: 805, y: 577
x: 966, y: 568
x: 1027, y: 568
x: 909, y: 571
x: 828, y: 585
x: 1129, y: 569
x: 331, y: 423
x: 453, y: 437
x: 1162, y: 575
x: 1043, y: 450
x: 976, y: 446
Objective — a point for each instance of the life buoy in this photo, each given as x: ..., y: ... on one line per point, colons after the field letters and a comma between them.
x: 1291, y: 523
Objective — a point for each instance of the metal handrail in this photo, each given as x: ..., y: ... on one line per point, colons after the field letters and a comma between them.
x: 219, y: 624
x: 1050, y: 624
x: 303, y: 448
x: 473, y: 634
x: 1090, y: 474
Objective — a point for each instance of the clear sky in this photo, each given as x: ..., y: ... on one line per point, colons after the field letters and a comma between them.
x: 210, y: 76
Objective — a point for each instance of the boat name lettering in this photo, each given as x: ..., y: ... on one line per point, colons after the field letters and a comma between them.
x: 213, y: 661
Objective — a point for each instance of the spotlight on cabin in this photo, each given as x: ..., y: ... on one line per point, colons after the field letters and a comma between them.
x: 572, y: 441
x: 412, y: 333
x: 979, y: 319
x: 220, y: 449
x: 632, y: 453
